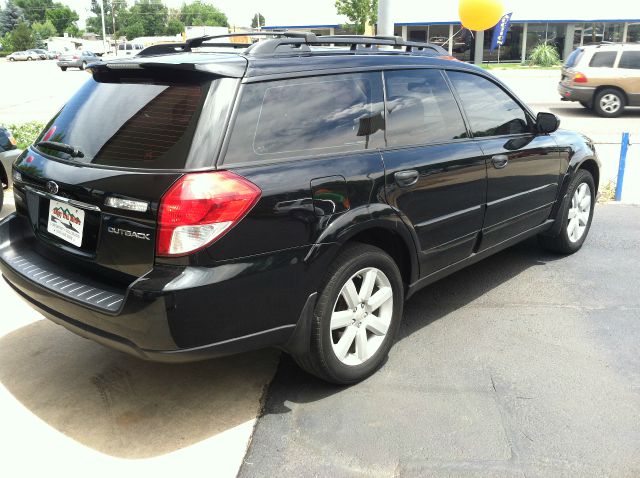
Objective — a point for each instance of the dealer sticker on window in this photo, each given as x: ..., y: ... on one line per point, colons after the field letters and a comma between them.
x: 66, y: 222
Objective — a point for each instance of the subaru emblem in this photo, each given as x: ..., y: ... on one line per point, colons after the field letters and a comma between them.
x: 52, y: 187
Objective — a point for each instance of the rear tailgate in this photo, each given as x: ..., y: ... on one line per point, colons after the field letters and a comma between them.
x: 137, y: 131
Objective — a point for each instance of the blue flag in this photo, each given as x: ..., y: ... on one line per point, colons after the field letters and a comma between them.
x: 500, y: 31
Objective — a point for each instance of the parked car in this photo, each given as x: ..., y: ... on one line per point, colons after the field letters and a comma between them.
x: 53, y: 55
x: 8, y: 154
x: 226, y: 202
x: 22, y: 56
x: 605, y: 77
x: 77, y: 59
x: 42, y: 54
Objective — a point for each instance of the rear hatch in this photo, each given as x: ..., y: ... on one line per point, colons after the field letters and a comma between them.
x: 567, y: 73
x: 91, y: 183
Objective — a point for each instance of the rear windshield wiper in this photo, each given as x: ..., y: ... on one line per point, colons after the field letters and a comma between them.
x: 62, y: 147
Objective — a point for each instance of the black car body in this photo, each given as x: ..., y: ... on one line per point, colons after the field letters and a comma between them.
x: 307, y: 137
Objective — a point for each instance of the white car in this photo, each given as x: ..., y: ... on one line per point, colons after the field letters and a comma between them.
x: 23, y: 56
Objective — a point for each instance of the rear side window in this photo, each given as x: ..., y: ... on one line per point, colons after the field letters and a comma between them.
x: 307, y: 117
x: 603, y: 59
x: 491, y: 111
x: 135, y: 124
x: 421, y: 109
x: 574, y: 58
x: 630, y: 59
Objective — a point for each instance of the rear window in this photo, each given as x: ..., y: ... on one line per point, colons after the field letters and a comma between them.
x: 630, y: 59
x: 308, y: 117
x: 133, y: 123
x: 574, y: 58
x: 603, y: 59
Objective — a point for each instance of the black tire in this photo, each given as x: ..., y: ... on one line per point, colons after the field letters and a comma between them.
x: 84, y: 65
x: 63, y: 68
x: 1, y: 196
x: 586, y: 104
x: 615, y: 95
x: 560, y: 242
x: 321, y: 360
x: 12, y: 59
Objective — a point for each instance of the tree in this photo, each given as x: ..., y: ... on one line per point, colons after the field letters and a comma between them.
x: 112, y: 11
x: 73, y: 31
x: 7, y: 42
x: 257, y: 21
x: 174, y: 26
x: 360, y: 12
x: 134, y: 30
x: 151, y: 14
x: 35, y: 10
x: 62, y: 17
x: 10, y: 17
x: 22, y: 38
x: 200, y: 14
x: 42, y: 32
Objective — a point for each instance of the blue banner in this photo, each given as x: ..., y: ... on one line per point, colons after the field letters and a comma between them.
x: 500, y: 31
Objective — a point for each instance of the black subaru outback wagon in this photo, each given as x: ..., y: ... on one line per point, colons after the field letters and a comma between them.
x: 200, y: 200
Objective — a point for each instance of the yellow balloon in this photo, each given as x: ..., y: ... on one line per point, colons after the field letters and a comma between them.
x: 480, y: 14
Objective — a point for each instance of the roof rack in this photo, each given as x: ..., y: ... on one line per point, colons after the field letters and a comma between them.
x: 293, y: 41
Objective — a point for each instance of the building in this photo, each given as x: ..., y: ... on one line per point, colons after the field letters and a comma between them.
x: 567, y: 25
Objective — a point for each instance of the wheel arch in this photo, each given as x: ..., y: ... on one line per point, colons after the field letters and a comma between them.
x: 610, y: 87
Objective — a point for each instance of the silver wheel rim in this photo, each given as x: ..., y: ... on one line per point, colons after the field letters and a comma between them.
x: 579, y: 212
x: 610, y: 103
x: 361, y: 316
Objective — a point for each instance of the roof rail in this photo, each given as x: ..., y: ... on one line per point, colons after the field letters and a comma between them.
x: 290, y: 41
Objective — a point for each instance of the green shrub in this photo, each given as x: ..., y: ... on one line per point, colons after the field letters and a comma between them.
x: 26, y: 133
x: 544, y: 54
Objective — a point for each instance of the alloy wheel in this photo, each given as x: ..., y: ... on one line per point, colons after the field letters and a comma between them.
x: 579, y: 212
x: 361, y: 316
x: 610, y: 103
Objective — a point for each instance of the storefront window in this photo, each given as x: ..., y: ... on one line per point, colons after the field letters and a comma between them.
x: 633, y: 32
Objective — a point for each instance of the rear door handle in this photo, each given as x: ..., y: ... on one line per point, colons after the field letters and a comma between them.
x: 406, y: 178
x: 500, y: 161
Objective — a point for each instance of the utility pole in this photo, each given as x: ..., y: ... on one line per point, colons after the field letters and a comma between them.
x: 104, y: 30
x: 113, y: 21
x: 385, y: 18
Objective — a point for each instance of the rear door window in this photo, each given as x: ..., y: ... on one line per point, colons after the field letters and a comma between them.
x: 421, y: 109
x: 603, y: 59
x: 132, y: 123
x: 308, y: 117
x: 491, y: 111
x: 630, y: 60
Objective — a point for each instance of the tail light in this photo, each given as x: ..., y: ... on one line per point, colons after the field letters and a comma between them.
x: 579, y: 78
x: 76, y: 57
x: 201, y: 207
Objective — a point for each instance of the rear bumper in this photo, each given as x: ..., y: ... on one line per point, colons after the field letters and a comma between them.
x: 69, y: 63
x: 171, y: 314
x: 576, y: 93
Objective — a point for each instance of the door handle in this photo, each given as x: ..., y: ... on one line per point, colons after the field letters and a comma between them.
x: 500, y: 161
x: 406, y: 178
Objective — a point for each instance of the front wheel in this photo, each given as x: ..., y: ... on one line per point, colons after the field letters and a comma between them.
x: 63, y: 68
x: 575, y: 214
x: 356, y: 317
x: 12, y: 59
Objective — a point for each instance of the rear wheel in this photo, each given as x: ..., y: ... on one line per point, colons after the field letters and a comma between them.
x: 609, y: 103
x: 29, y: 58
x: 63, y: 68
x: 356, y: 317
x: 575, y: 215
x: 84, y: 65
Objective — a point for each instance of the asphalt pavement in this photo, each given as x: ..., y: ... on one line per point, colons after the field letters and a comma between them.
x: 525, y: 364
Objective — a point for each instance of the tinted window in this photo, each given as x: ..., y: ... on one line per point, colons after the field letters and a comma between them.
x: 308, y: 116
x: 141, y: 124
x: 421, y: 108
x: 603, y: 59
x: 573, y: 58
x: 630, y: 59
x: 489, y: 108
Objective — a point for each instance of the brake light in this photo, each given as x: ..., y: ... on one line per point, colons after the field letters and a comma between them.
x: 200, y: 208
x: 579, y: 78
x: 76, y: 57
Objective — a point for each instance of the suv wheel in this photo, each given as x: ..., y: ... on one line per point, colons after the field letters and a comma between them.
x: 575, y: 213
x: 609, y: 103
x: 356, y: 317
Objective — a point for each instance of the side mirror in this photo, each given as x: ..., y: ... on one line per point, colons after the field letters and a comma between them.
x: 547, y: 123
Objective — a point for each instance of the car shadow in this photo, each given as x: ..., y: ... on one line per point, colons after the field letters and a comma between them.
x: 291, y: 385
x: 123, y: 406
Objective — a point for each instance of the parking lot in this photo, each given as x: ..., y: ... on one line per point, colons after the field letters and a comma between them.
x: 525, y: 364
